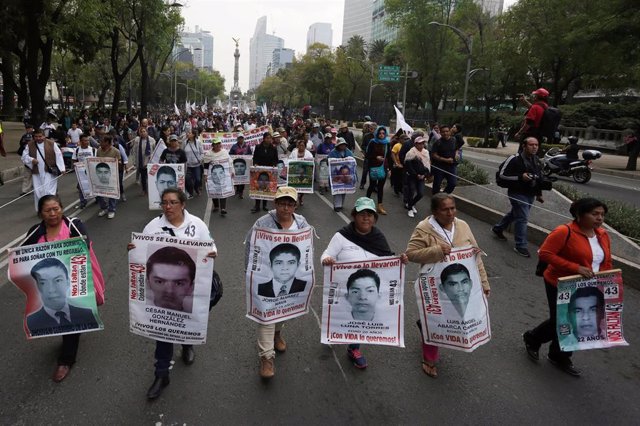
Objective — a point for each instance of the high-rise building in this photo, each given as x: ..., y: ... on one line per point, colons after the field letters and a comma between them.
x: 261, y: 50
x: 200, y: 44
x: 380, y: 30
x: 320, y: 32
x: 357, y: 20
x: 281, y: 58
x: 492, y: 7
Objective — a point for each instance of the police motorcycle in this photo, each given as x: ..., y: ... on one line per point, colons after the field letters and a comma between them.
x: 555, y: 162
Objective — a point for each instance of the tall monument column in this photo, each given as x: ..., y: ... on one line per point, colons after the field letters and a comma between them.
x: 236, y: 94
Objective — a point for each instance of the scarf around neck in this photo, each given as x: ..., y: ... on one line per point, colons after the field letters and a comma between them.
x: 373, y: 242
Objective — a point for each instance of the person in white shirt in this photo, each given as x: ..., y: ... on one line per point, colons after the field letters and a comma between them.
x: 80, y: 154
x: 74, y: 133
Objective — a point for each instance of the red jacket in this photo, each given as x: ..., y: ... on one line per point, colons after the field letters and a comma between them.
x: 564, y: 259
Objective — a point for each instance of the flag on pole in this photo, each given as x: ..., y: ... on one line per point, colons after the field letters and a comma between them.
x: 177, y: 111
x: 193, y: 107
x: 264, y: 109
x: 187, y: 107
x: 400, y: 123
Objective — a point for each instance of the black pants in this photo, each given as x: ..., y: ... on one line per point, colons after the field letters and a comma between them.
x: 257, y: 205
x: 164, y: 355
x: 396, y: 179
x: 546, y: 331
x: 378, y: 185
x: 416, y: 186
x: 219, y: 202
x: 365, y: 172
x: 239, y: 189
x: 69, y: 349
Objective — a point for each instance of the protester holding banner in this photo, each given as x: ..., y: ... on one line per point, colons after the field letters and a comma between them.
x: 55, y: 227
x: 174, y: 221
x: 141, y: 148
x: 341, y: 150
x: 194, y: 151
x: 301, y: 153
x: 212, y: 167
x: 417, y: 166
x: 378, y: 157
x: 107, y: 150
x: 283, y: 218
x: 264, y: 154
x: 80, y: 154
x: 358, y: 241
x: 579, y: 247
x: 431, y: 241
x: 240, y: 148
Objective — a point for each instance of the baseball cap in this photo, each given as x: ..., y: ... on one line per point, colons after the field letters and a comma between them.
x: 420, y: 139
x: 316, y: 125
x: 334, y: 130
x: 276, y: 134
x: 365, y: 203
x: 328, y: 135
x: 542, y: 92
x: 367, y: 118
x: 344, y: 126
x: 173, y: 138
x: 216, y: 140
x: 341, y: 141
x: 240, y: 136
x: 286, y: 191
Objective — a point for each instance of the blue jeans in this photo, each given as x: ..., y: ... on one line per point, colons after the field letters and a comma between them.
x: 519, y: 215
x: 441, y: 172
x: 107, y: 203
x: 416, y: 186
x: 194, y: 179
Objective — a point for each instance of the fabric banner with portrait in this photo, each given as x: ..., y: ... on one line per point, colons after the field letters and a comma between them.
x: 300, y: 175
x: 452, y: 306
x: 279, y: 275
x: 161, y: 177
x: 283, y: 170
x: 241, y: 166
x: 343, y: 175
x: 263, y: 183
x: 219, y: 184
x: 83, y: 179
x: 103, y: 176
x: 157, y: 152
x: 57, y: 279
x: 251, y: 137
x: 169, y: 288
x: 322, y: 170
x: 362, y: 302
x: 589, y: 311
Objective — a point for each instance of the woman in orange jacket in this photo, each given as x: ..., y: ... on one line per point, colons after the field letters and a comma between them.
x: 579, y: 247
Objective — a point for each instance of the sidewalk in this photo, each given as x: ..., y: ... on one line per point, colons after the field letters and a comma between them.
x: 11, y: 166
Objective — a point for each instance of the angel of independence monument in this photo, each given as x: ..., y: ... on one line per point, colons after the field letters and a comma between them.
x: 235, y: 96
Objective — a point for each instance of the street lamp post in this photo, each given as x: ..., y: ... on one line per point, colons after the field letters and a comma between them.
x: 175, y: 72
x: 370, y: 79
x: 468, y: 43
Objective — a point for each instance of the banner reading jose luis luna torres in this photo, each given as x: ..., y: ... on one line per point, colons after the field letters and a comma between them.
x: 589, y: 311
x: 452, y: 306
x: 57, y: 279
x: 363, y: 302
x: 169, y: 288
x: 279, y: 274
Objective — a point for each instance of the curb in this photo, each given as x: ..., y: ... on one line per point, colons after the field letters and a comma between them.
x: 12, y: 173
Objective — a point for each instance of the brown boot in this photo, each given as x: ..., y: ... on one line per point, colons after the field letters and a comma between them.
x: 381, y: 209
x: 267, y: 367
x: 278, y: 342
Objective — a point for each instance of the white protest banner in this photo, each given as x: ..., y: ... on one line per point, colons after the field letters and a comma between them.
x: 251, y: 137
x: 322, y: 170
x: 343, y: 175
x: 161, y: 177
x: 219, y: 184
x: 300, y: 175
x: 279, y: 275
x: 452, y: 306
x: 589, y: 311
x: 241, y: 166
x: 401, y: 123
x: 157, y: 152
x: 362, y: 302
x: 103, y: 176
x: 57, y: 279
x: 168, y: 294
x: 263, y: 183
x: 83, y: 179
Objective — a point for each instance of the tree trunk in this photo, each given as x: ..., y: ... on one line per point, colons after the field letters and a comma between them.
x: 144, y: 83
x: 9, y: 87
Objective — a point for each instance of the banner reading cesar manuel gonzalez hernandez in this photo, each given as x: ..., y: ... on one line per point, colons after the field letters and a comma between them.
x: 452, y: 306
x: 363, y: 302
x: 169, y: 288
x: 589, y: 311
x: 57, y: 279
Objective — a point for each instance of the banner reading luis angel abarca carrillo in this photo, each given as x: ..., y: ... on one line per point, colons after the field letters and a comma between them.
x: 57, y: 279
x: 451, y: 303
x: 169, y: 288
x: 589, y: 311
x: 279, y: 274
x: 362, y: 302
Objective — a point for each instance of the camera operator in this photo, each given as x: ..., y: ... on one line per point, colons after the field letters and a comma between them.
x: 524, y: 171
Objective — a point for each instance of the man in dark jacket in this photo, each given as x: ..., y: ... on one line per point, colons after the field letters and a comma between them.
x: 264, y: 154
x: 524, y: 171
x: 347, y: 135
x: 367, y: 135
x: 444, y: 157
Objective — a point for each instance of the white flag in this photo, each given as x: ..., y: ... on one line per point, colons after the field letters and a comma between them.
x: 400, y: 123
x: 193, y: 107
x: 187, y: 107
x: 177, y: 111
x: 264, y: 109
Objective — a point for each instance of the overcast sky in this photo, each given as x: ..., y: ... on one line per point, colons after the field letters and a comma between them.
x: 287, y: 19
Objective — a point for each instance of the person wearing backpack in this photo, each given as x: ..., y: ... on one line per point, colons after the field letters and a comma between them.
x: 531, y: 127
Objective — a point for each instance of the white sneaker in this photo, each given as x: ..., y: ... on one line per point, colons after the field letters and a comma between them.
x: 111, y: 215
x: 102, y: 213
x: 414, y: 209
x: 410, y: 213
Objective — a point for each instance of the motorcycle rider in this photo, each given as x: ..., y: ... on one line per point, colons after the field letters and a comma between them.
x: 571, y: 153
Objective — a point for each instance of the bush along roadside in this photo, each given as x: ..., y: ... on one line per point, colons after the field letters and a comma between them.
x: 468, y: 171
x: 621, y: 217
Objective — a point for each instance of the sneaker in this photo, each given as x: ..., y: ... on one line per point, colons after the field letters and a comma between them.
x: 123, y: 198
x: 189, y: 196
x: 357, y: 358
x: 81, y: 206
x: 223, y: 212
x: 267, y: 368
x: 532, y: 351
x: 111, y: 215
x: 102, y: 213
x: 498, y: 233
x: 410, y: 213
x: 565, y: 365
x: 522, y: 251
x: 415, y: 211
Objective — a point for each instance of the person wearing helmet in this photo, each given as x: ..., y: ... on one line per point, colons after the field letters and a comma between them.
x: 533, y: 117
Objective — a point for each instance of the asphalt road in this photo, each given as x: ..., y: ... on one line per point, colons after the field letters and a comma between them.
x: 314, y: 383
